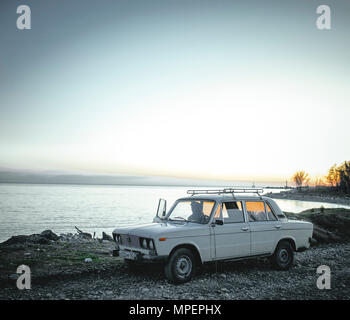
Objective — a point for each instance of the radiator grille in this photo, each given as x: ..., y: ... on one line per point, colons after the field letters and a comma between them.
x: 130, y: 241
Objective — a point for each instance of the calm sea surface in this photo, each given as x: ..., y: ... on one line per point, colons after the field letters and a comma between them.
x: 32, y: 208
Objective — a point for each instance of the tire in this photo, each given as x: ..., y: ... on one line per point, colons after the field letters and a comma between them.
x: 283, y: 257
x: 181, y: 266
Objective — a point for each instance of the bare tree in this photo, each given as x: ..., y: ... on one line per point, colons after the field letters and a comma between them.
x: 300, y: 178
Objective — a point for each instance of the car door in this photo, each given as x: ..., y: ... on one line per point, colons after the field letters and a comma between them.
x: 264, y: 227
x: 231, y: 231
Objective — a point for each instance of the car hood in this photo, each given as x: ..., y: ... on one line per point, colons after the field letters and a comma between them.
x: 160, y: 228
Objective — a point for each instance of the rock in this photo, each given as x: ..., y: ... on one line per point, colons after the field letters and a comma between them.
x: 106, y: 236
x: 85, y: 235
x: 324, y: 236
x: 87, y: 260
x: 33, y: 238
x: 48, y: 234
x: 66, y: 235
x: 37, y: 238
x: 15, y: 240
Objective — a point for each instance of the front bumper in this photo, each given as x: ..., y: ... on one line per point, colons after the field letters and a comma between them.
x: 138, y: 255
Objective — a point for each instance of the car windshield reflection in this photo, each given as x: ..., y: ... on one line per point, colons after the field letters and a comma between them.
x: 197, y: 211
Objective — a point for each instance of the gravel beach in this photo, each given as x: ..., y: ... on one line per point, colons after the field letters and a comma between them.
x: 251, y: 279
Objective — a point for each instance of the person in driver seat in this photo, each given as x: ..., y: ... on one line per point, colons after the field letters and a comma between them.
x: 197, y: 212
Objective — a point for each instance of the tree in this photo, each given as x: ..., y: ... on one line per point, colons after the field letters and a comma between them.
x: 344, y: 177
x: 319, y: 182
x: 333, y: 177
x: 300, y: 178
x: 339, y: 177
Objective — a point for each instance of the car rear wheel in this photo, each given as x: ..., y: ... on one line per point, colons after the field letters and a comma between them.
x: 283, y: 257
x: 181, y: 266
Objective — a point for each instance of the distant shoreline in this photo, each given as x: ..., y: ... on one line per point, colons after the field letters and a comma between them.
x: 302, y: 196
x: 138, y: 185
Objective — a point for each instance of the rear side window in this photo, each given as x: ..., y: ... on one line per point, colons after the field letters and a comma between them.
x: 270, y: 213
x: 232, y: 212
x: 256, y: 211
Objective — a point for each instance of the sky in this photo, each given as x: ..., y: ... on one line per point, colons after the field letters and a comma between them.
x: 245, y: 90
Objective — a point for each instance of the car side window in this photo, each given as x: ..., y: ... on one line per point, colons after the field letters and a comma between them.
x: 232, y: 212
x: 217, y: 212
x: 256, y: 211
x: 270, y: 214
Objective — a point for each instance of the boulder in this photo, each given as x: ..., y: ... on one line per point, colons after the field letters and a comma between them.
x: 324, y: 236
x: 48, y: 234
x: 22, y: 239
x: 15, y: 240
x: 37, y: 238
x: 106, y: 236
x: 85, y: 235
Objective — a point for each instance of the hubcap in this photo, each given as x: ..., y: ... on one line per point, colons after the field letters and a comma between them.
x: 284, y: 256
x: 183, y: 267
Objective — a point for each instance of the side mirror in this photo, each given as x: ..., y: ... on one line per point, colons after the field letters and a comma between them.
x: 161, y: 211
x: 219, y: 222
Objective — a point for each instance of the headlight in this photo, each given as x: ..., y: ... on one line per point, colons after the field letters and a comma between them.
x: 151, y: 245
x: 146, y: 243
x: 119, y: 238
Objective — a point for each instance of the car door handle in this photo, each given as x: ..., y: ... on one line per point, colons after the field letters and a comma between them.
x: 245, y: 228
x: 277, y: 226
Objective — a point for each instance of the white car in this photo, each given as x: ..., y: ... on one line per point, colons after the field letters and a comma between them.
x: 212, y: 225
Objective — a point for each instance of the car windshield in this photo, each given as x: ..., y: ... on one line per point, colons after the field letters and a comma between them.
x: 197, y: 211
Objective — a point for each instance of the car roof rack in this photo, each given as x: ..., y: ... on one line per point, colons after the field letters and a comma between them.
x: 227, y: 191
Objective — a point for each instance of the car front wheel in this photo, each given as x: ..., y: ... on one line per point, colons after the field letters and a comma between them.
x: 180, y: 267
x: 283, y: 257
